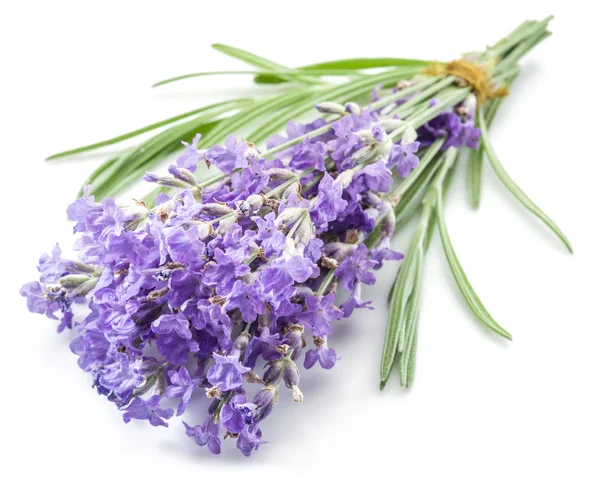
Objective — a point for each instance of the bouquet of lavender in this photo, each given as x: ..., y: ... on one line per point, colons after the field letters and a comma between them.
x: 196, y: 291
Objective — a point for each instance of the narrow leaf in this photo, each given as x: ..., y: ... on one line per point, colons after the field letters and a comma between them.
x: 412, y: 314
x: 474, y: 172
x: 513, y: 187
x: 347, y: 64
x: 461, y: 279
x: 262, y: 63
x: 147, y: 128
x: 263, y: 72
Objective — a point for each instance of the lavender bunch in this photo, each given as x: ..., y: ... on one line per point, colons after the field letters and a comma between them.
x: 191, y: 295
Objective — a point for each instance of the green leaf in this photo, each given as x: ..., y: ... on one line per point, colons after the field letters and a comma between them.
x: 474, y: 172
x: 262, y: 63
x: 513, y: 187
x: 263, y: 72
x: 354, y: 64
x: 404, y: 286
x: 148, y: 128
x: 461, y: 279
x: 412, y: 316
x: 397, y: 314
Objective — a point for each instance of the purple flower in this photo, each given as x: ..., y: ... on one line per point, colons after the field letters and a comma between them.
x: 184, y: 245
x: 403, y: 157
x: 279, y: 276
x: 250, y: 180
x: 175, y: 348
x: 237, y: 414
x: 345, y: 141
x: 173, y: 323
x: 247, y: 299
x: 51, y: 267
x: 309, y: 155
x: 227, y: 373
x: 182, y: 385
x: 324, y: 355
x: 230, y: 156
x: 446, y: 125
x: 150, y: 410
x: 355, y: 301
x: 93, y: 350
x: 191, y: 156
x: 355, y: 268
x: 469, y: 136
x: 205, y: 434
x: 272, y: 240
x: 329, y: 201
x: 377, y: 176
x: 319, y: 313
x: 37, y: 302
x: 223, y: 273
x: 383, y: 252
x: 123, y: 377
x: 249, y: 440
x: 263, y: 345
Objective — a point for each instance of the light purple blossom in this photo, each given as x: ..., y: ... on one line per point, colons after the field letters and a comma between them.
x: 319, y: 314
x: 182, y: 385
x: 149, y: 410
x: 227, y: 373
x: 230, y: 156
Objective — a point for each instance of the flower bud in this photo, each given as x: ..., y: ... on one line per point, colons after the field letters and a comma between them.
x: 183, y: 175
x: 289, y: 216
x: 240, y: 344
x: 391, y: 124
x: 166, y: 181
x: 366, y: 136
x: 256, y: 201
x: 85, y: 287
x: 215, y: 210
x: 352, y: 108
x: 293, y: 189
x: 273, y: 372
x: 304, y: 232
x: 204, y: 229
x: 338, y: 250
x: 291, y: 375
x: 295, y: 337
x: 279, y: 174
x: 73, y: 281
x: 409, y: 136
x: 331, y: 107
x: 265, y: 400
x: 225, y: 225
x: 134, y: 210
x: 388, y: 222
x: 345, y: 178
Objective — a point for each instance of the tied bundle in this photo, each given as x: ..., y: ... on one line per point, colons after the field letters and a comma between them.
x: 192, y: 294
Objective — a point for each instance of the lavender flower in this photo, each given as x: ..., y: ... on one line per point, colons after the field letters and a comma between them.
x: 215, y: 280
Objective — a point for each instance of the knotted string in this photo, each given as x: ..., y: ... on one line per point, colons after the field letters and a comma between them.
x: 471, y: 74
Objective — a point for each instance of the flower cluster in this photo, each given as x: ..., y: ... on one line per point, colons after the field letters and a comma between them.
x: 190, y: 298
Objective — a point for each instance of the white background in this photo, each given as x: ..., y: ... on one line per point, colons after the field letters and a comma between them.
x: 482, y: 411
